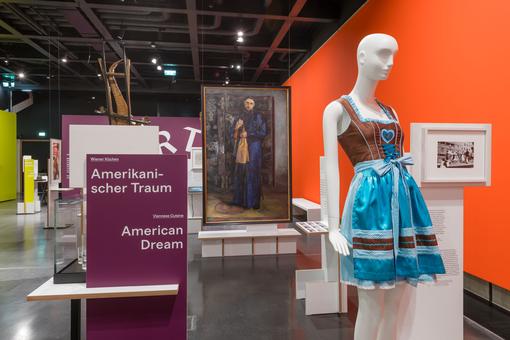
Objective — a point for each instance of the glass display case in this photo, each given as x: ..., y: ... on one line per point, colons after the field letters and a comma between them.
x: 69, y: 250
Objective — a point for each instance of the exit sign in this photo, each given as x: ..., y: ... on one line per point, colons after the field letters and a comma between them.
x: 8, y: 80
x: 170, y: 72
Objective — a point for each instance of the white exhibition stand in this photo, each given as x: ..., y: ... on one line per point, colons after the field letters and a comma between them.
x: 261, y: 239
x: 436, y: 311
x: 311, y: 209
x: 194, y: 209
x: 321, y: 288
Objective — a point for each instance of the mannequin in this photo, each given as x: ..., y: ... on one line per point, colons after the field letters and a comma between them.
x: 378, y: 307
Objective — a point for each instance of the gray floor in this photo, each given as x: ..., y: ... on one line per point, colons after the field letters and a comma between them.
x: 235, y: 298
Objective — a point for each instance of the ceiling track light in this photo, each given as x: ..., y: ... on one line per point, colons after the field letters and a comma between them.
x: 154, y: 61
x: 240, y: 39
x: 240, y: 33
x: 159, y: 67
x: 64, y: 60
x: 21, y: 75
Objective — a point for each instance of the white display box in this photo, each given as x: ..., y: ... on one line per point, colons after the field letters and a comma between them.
x: 237, y: 247
x: 321, y: 297
x: 212, y: 248
x: 264, y: 246
x: 287, y: 245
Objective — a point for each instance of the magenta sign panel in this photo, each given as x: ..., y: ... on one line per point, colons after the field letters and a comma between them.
x: 137, y: 235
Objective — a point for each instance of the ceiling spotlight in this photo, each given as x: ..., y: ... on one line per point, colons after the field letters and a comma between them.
x: 238, y: 67
x: 154, y: 61
x: 159, y: 67
x: 240, y: 39
x: 64, y: 60
x: 153, y: 45
x: 232, y: 66
x: 227, y: 82
x: 93, y: 98
x: 21, y: 75
x: 240, y: 33
x: 99, y: 75
x: 6, y: 61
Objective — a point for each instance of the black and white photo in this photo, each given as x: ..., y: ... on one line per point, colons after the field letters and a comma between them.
x: 455, y: 154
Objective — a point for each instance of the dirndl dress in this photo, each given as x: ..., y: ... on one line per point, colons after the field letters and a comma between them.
x: 385, y: 218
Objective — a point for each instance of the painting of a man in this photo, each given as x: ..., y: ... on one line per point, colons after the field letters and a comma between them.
x: 56, y: 161
x: 249, y: 133
x: 55, y: 167
x: 246, y: 154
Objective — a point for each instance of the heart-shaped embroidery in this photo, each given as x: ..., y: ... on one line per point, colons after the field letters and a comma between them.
x: 387, y: 135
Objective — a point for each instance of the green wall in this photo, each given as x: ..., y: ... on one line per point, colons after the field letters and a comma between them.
x: 7, y: 156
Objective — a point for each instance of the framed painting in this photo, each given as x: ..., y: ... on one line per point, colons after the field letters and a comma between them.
x: 247, y: 155
x: 55, y: 169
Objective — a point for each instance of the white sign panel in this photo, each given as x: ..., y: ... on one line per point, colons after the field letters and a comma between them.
x: 107, y: 139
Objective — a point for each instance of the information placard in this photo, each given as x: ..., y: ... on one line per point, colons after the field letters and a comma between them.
x: 137, y: 235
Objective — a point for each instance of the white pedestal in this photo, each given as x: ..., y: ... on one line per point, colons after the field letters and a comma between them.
x: 321, y: 288
x: 321, y: 298
x: 194, y: 212
x: 264, y: 245
x: 306, y: 276
x: 436, y: 311
x: 255, y: 240
x: 286, y: 245
x: 237, y: 247
x: 312, y: 210
x: 212, y: 248
x: 28, y: 208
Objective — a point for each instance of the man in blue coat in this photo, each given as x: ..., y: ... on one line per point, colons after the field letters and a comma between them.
x: 249, y: 133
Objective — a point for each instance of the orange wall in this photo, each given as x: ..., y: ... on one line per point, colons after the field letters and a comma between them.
x: 453, y: 66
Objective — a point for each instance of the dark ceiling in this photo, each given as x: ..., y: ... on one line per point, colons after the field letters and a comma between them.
x: 196, y: 37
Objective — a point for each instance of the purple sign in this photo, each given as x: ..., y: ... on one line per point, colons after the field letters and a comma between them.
x: 137, y: 235
x: 176, y: 135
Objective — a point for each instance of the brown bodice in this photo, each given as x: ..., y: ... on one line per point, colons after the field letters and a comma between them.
x: 367, y: 139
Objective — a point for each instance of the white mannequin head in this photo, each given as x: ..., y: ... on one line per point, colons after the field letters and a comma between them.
x: 375, y: 56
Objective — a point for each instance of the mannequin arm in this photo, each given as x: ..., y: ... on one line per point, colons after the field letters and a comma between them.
x: 332, y: 116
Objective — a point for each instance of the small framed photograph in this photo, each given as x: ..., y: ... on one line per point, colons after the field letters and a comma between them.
x: 55, y: 169
x: 196, y: 158
x: 453, y: 154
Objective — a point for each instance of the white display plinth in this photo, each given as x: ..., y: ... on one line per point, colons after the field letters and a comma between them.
x: 321, y: 288
x: 264, y: 245
x: 321, y: 298
x: 194, y: 210
x: 260, y: 239
x: 436, y: 311
x: 312, y: 210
